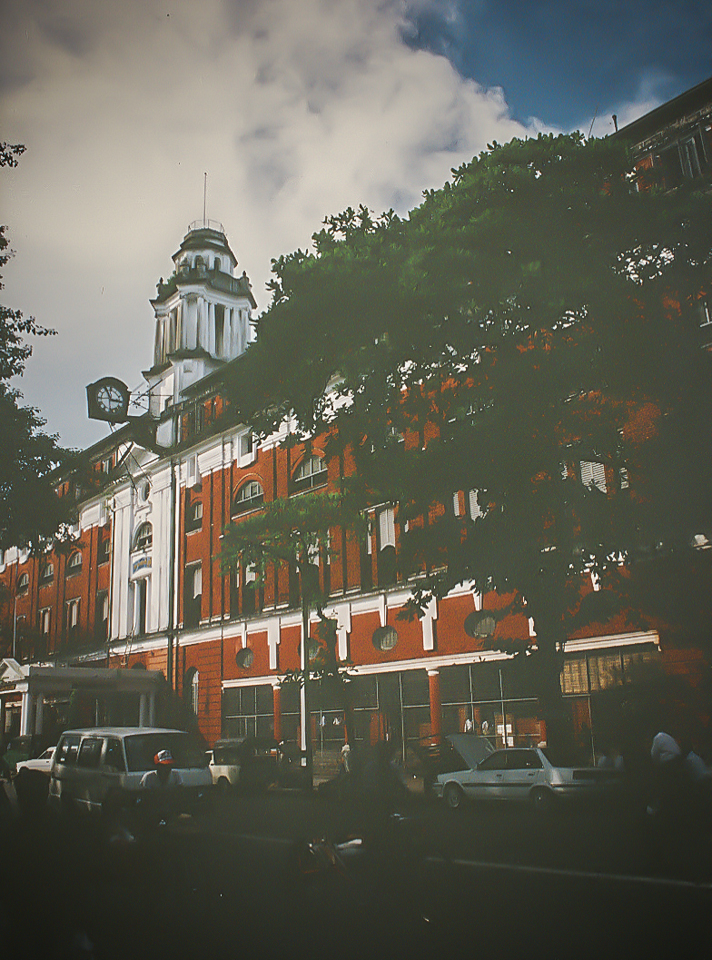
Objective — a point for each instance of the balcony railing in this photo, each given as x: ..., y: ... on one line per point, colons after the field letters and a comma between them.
x: 206, y: 225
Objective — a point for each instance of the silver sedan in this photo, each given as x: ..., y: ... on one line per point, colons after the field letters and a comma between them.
x: 521, y: 774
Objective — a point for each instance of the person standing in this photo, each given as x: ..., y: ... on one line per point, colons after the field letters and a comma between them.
x: 163, y: 776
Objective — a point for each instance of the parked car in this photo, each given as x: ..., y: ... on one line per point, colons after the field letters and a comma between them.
x: 43, y: 763
x: 93, y: 764
x: 525, y: 774
x: 247, y: 763
x: 447, y: 754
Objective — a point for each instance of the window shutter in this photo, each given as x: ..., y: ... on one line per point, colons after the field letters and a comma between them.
x: 387, y: 528
x: 246, y: 448
x: 473, y: 505
x: 192, y: 471
x: 593, y: 474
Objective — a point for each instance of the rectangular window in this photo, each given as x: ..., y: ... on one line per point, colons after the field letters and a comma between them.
x: 192, y: 604
x: 574, y: 676
x: 45, y: 620
x: 193, y: 514
x: 141, y: 604
x: 105, y: 549
x: 386, y: 528
x: 473, y: 506
x: 72, y: 618
x: 593, y: 474
x: 102, y: 615
x: 246, y: 448
x: 192, y: 471
x: 605, y: 671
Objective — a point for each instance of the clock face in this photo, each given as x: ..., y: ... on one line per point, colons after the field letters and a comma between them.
x: 110, y: 398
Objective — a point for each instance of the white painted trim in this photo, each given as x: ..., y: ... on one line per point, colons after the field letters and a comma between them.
x: 613, y: 640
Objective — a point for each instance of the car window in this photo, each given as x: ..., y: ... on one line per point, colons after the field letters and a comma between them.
x: 141, y: 748
x: 90, y: 752
x: 226, y: 755
x: 47, y: 754
x: 114, y: 755
x: 495, y: 761
x: 68, y: 749
x: 523, y: 760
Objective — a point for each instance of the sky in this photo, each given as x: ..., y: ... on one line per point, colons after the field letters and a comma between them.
x: 295, y: 109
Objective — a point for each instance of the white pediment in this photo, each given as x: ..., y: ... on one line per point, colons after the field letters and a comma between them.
x: 11, y: 671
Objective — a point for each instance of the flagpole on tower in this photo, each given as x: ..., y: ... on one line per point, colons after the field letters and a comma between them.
x: 205, y: 197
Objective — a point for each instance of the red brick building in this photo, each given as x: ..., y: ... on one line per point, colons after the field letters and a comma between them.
x: 141, y: 586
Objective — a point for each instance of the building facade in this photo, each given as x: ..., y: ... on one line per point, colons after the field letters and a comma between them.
x: 140, y: 585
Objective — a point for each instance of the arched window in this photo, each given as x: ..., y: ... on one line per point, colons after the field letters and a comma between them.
x: 47, y: 573
x: 74, y: 564
x: 23, y: 583
x: 249, y: 496
x: 191, y: 689
x: 310, y: 473
x: 144, y: 537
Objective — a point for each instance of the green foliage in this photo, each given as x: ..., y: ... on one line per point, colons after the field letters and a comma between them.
x: 535, y: 313
x: 288, y: 530
x: 30, y: 512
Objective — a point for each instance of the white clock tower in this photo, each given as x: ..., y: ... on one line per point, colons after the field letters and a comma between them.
x: 203, y: 314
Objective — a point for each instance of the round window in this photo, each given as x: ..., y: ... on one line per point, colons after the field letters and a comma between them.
x: 479, y: 625
x: 385, y: 638
x: 244, y: 658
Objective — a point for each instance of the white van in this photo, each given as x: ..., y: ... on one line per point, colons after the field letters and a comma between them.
x: 91, y: 764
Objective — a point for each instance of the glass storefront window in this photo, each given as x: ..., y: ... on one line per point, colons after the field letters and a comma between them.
x: 485, y: 681
x: 455, y: 684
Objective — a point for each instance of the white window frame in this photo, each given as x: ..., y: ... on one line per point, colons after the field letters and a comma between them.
x: 246, y: 448
x: 386, y: 528
x: 593, y: 474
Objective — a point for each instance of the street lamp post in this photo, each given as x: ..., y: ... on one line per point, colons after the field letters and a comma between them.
x: 305, y: 698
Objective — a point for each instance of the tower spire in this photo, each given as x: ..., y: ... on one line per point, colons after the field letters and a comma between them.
x: 205, y: 197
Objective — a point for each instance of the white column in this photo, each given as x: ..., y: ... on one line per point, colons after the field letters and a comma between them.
x: 210, y: 339
x: 240, y: 332
x: 180, y: 326
x: 227, y: 334
x: 26, y: 714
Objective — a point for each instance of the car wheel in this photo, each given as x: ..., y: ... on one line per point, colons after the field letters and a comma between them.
x: 542, y: 800
x: 453, y: 796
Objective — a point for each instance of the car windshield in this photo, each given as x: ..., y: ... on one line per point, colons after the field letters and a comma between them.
x: 141, y: 748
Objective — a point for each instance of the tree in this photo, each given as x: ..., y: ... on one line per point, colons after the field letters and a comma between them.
x: 30, y: 511
x: 532, y: 325
x: 291, y: 532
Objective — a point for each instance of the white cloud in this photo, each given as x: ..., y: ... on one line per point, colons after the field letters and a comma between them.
x: 295, y: 109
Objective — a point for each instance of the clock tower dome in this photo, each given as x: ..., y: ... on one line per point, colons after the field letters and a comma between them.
x: 202, y: 315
